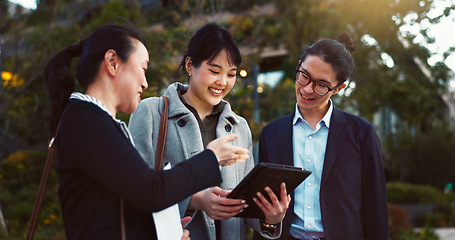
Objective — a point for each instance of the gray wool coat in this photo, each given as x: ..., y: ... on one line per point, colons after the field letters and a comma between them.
x: 183, y: 141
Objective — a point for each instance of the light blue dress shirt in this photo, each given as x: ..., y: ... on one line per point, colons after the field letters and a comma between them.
x: 309, y: 151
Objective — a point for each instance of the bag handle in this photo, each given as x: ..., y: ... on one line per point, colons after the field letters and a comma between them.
x: 39, y: 198
x: 122, y: 220
x: 158, y: 158
x: 162, y: 135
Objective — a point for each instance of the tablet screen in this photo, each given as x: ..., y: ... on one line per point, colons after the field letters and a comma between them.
x: 262, y: 175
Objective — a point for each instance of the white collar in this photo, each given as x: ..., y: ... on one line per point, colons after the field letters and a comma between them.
x: 325, y: 119
x: 90, y: 99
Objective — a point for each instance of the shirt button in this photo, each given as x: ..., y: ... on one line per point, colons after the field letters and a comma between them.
x: 308, y: 160
x: 309, y: 184
x: 310, y: 137
x: 309, y: 226
x: 309, y: 207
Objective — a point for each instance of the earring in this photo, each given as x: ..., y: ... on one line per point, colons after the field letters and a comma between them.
x: 189, y: 74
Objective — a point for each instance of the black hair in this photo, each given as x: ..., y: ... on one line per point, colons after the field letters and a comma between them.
x: 61, y: 83
x: 208, y: 42
x: 337, y: 53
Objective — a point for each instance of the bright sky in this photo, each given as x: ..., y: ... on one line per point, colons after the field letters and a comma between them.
x: 443, y: 32
x: 25, y: 3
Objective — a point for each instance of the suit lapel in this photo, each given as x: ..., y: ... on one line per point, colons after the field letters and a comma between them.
x: 337, y: 133
x: 286, y: 155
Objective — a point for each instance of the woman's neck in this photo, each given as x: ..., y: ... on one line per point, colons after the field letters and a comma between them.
x: 203, y: 109
x: 104, y: 96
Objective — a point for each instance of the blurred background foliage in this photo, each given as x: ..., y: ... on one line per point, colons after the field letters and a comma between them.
x: 404, y: 100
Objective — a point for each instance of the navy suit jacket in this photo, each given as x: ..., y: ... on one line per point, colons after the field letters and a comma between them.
x: 352, y: 195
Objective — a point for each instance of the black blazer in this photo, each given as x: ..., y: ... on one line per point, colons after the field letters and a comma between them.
x: 353, y: 195
x: 98, y: 165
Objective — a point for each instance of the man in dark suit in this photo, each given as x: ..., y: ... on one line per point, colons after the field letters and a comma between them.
x: 345, y: 196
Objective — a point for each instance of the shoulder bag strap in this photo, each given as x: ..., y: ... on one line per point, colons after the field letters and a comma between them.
x: 39, y: 198
x: 122, y: 220
x: 158, y: 158
x: 162, y: 135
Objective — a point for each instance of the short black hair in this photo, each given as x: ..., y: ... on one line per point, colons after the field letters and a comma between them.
x: 208, y: 42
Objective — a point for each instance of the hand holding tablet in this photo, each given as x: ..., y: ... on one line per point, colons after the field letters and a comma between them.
x: 262, y: 175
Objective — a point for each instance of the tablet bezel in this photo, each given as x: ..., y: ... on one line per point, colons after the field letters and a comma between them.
x: 262, y: 175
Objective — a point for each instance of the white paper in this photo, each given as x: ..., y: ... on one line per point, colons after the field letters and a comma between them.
x: 167, y: 221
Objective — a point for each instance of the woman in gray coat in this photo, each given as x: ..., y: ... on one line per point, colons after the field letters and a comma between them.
x: 197, y: 115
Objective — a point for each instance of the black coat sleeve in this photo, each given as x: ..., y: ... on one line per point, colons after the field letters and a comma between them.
x: 92, y: 146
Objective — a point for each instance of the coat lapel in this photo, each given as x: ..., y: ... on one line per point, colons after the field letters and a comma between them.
x: 185, y: 125
x: 337, y: 133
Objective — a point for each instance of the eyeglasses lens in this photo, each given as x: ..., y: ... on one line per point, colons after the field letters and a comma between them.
x: 303, y: 78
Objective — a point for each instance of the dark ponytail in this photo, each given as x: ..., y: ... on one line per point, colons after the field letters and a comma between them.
x: 60, y: 82
x: 337, y: 53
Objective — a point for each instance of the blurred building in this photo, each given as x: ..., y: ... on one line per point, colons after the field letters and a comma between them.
x: 449, y: 98
x: 14, y: 9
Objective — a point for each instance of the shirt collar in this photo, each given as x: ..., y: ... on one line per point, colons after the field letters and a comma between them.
x: 325, y: 119
x: 90, y: 99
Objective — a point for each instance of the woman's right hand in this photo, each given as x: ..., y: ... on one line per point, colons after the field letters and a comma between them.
x: 186, y: 233
x: 215, y: 203
x: 227, y: 153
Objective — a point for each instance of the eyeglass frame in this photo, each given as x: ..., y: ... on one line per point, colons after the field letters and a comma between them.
x: 305, y: 72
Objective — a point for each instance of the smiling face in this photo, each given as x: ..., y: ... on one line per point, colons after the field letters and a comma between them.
x: 132, y: 81
x: 210, y: 82
x: 309, y: 102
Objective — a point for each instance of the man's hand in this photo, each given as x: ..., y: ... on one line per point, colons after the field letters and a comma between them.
x: 276, y: 210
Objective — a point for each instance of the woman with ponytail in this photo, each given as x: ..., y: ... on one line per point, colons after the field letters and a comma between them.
x: 345, y: 195
x: 102, y: 176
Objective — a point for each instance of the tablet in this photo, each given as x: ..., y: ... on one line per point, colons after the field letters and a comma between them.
x: 262, y: 175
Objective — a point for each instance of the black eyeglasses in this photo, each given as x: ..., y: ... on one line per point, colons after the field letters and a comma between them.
x: 304, y: 78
